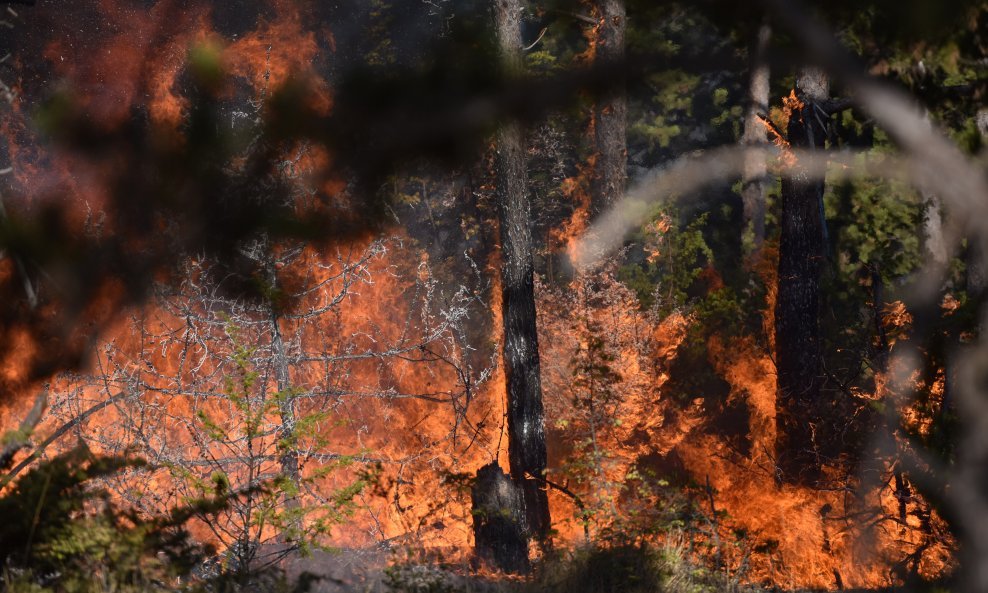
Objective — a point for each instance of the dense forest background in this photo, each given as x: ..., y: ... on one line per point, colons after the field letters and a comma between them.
x: 612, y: 295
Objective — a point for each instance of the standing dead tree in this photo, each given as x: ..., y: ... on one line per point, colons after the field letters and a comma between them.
x: 270, y: 398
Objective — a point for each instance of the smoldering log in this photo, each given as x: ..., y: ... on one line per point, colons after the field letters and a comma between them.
x: 499, y: 528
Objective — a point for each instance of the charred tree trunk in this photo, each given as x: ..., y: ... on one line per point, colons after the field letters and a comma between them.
x: 802, y: 252
x: 755, y: 179
x: 610, y: 114
x: 500, y: 535
x: 526, y: 417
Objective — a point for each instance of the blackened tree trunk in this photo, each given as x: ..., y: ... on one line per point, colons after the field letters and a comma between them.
x: 802, y: 251
x: 610, y: 171
x: 755, y: 179
x: 526, y: 417
x: 499, y: 521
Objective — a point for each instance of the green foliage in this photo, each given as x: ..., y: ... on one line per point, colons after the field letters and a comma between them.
x: 676, y: 109
x: 674, y: 91
x: 875, y: 230
x: 596, y: 398
x: 541, y: 60
x: 628, y: 568
x: 16, y: 435
x: 381, y: 21
x: 206, y: 64
x: 875, y: 224
x: 968, y: 137
x: 62, y: 533
x: 255, y: 432
x: 420, y: 578
x: 673, y: 260
x: 624, y: 568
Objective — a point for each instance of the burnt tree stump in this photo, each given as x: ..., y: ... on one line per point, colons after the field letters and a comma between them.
x: 499, y: 529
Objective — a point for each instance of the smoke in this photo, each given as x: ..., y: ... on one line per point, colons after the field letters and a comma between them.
x: 692, y: 173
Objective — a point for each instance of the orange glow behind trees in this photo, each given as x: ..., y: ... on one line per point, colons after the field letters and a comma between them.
x: 373, y: 365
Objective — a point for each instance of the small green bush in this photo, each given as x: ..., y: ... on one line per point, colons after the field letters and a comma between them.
x: 621, y: 568
x: 62, y: 533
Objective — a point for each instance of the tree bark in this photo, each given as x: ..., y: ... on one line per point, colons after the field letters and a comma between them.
x: 755, y: 177
x: 933, y: 240
x: 977, y: 248
x: 289, y: 418
x: 499, y: 521
x: 934, y: 243
x: 526, y: 417
x: 610, y: 114
x: 802, y: 250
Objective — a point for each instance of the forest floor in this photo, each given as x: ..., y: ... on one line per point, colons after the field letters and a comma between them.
x: 375, y: 571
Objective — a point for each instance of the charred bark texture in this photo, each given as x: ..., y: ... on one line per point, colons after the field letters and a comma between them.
x: 755, y: 177
x: 610, y: 171
x: 526, y: 417
x: 802, y: 251
x: 499, y: 530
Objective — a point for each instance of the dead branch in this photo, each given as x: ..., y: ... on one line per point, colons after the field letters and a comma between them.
x: 59, y: 432
x: 22, y: 436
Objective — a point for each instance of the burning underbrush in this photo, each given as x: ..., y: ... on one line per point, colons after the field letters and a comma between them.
x: 636, y: 457
x: 305, y: 393
x: 352, y: 406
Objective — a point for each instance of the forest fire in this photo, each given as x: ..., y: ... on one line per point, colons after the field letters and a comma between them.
x: 288, y: 364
